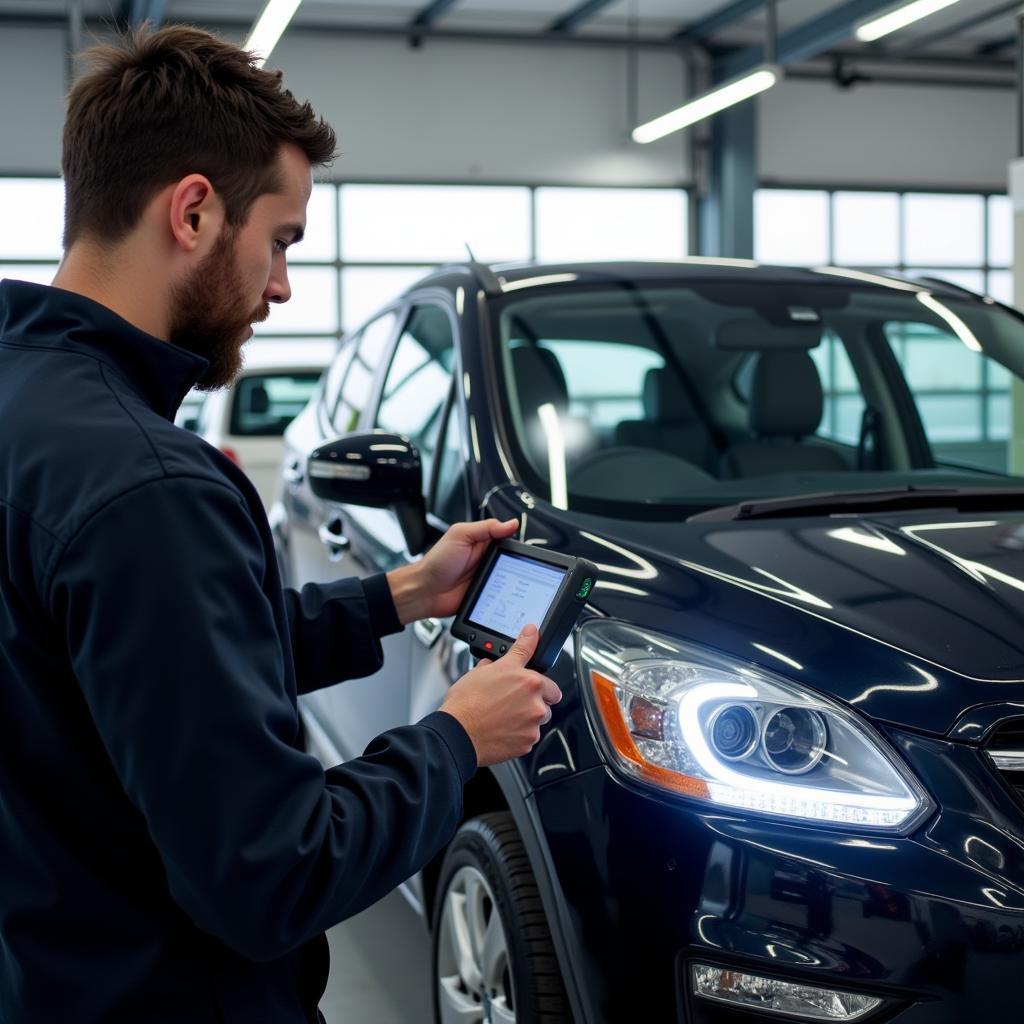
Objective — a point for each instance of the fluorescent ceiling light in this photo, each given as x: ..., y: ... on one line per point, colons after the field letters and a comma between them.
x: 718, y: 99
x: 900, y: 18
x: 270, y: 27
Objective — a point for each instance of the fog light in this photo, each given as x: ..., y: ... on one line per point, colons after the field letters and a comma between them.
x: 755, y: 992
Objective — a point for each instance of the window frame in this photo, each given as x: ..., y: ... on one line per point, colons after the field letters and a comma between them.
x: 440, y: 299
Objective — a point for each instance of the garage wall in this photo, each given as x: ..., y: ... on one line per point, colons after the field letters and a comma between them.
x: 551, y: 114
x: 32, y: 81
x: 492, y: 112
x: 815, y: 133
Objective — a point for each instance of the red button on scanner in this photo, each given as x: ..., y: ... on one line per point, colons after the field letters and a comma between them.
x: 488, y: 645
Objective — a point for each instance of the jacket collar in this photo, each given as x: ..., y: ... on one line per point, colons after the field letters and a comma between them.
x: 44, y: 317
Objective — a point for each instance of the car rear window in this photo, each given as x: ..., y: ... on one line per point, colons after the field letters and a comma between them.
x: 265, y: 404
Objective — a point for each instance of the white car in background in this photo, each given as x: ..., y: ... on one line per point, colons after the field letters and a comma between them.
x: 247, y: 419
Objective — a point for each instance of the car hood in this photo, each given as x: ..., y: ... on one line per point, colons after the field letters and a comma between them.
x: 911, y: 618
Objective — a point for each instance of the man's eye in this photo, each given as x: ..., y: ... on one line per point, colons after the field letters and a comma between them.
x: 280, y: 245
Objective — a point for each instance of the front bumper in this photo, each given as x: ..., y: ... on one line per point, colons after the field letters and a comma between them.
x: 933, y: 923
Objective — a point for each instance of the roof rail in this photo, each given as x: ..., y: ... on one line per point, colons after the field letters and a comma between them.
x: 931, y: 279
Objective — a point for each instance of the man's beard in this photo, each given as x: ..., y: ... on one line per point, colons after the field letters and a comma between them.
x: 207, y: 317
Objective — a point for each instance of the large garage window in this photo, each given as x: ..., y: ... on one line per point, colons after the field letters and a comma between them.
x: 963, y: 238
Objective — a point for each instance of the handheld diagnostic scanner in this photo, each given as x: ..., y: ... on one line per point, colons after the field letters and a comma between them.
x: 516, y: 584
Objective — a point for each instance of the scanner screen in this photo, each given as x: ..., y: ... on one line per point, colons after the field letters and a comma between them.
x: 517, y: 591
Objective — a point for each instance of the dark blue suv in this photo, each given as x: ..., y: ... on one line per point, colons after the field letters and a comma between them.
x: 783, y: 780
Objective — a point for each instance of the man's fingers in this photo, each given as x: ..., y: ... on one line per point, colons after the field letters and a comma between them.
x: 550, y: 692
x: 526, y: 643
x: 487, y: 529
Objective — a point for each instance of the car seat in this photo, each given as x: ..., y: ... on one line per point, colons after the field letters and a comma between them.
x: 786, y: 404
x: 671, y: 421
x: 259, y: 400
x: 539, y: 381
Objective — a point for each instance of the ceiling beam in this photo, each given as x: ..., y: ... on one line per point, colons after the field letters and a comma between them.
x: 954, y: 30
x: 582, y: 12
x: 996, y: 46
x: 135, y: 12
x: 806, y: 40
x: 736, y: 11
x: 432, y: 13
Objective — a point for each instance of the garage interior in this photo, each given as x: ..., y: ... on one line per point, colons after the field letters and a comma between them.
x: 502, y: 130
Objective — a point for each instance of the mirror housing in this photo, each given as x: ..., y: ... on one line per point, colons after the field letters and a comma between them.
x: 378, y: 470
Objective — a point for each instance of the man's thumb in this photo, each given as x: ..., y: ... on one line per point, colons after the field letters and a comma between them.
x: 526, y: 643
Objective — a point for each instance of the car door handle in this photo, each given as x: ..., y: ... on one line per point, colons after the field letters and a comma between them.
x: 292, y: 473
x: 428, y: 630
x: 333, y: 539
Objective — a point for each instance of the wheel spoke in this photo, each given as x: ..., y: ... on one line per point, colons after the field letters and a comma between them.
x: 501, y: 1014
x: 494, y: 955
x: 456, y: 1006
x: 462, y: 941
x: 476, y: 894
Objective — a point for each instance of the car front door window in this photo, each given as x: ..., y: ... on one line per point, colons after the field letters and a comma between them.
x: 418, y: 381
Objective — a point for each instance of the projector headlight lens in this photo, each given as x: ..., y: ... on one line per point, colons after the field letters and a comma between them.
x: 734, y: 732
x: 794, y: 740
x: 691, y: 721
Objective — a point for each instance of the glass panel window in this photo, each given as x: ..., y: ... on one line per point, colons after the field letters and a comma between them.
x: 312, y: 308
x: 364, y: 290
x: 866, y: 228
x: 610, y: 223
x: 791, y: 227
x: 1000, y: 286
x: 264, y: 405
x: 357, y: 389
x: 33, y: 219
x: 946, y: 378
x: 433, y: 223
x: 999, y: 419
x: 418, y: 382
x: 450, y: 504
x: 943, y: 230
x: 336, y: 373
x: 973, y: 280
x: 1000, y: 231
x: 320, y: 241
x: 843, y: 402
x: 37, y: 273
x: 605, y: 379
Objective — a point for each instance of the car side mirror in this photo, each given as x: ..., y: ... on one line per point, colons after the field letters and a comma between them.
x: 375, y: 469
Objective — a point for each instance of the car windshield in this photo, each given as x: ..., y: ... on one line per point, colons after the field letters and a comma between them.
x: 665, y: 400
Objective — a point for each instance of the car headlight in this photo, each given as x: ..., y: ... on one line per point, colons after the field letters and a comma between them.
x: 698, y: 723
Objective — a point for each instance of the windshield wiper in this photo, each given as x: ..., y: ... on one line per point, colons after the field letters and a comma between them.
x: 891, y: 500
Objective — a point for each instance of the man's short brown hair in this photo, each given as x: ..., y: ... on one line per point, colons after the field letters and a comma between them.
x: 160, y: 105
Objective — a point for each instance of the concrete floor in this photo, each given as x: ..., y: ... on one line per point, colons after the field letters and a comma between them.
x: 380, y: 967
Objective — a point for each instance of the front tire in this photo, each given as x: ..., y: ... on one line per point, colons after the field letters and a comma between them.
x: 493, y: 959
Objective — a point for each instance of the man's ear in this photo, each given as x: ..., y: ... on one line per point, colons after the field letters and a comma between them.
x: 196, y: 213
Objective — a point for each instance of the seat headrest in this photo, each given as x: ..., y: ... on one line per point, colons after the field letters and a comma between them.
x: 666, y: 399
x: 785, y: 398
x: 539, y: 379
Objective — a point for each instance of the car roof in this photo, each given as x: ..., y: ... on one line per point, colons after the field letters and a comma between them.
x: 496, y: 279
x: 284, y: 354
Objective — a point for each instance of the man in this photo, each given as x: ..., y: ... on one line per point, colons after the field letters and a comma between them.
x: 168, y: 852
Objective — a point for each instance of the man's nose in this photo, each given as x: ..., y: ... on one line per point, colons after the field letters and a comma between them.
x: 278, y: 287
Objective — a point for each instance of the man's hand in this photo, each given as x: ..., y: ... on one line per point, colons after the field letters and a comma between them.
x: 434, y: 586
x: 502, y: 704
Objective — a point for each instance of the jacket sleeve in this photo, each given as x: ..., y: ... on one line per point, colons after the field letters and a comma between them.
x: 177, y: 653
x: 336, y: 629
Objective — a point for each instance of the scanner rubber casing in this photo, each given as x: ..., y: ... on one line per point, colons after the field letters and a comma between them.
x: 568, y: 603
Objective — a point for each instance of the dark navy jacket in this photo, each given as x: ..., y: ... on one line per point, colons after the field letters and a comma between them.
x: 168, y: 853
